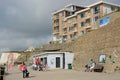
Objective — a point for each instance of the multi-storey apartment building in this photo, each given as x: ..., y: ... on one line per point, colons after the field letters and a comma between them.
x: 74, y: 20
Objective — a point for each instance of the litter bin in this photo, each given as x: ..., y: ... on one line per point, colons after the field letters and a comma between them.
x: 1, y: 77
x: 2, y: 72
x: 69, y: 66
x: 2, y: 69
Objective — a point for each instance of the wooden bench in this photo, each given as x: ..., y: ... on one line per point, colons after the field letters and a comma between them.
x: 98, y: 68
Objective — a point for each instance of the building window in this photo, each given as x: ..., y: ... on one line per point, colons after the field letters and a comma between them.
x: 63, y: 28
x: 62, y: 13
x: 70, y: 28
x: 82, y: 32
x: 71, y: 36
x: 96, y: 9
x: 62, y: 21
x: 70, y: 13
x: 81, y: 15
x: 95, y: 18
x: 57, y: 16
x: 112, y: 8
x: 82, y: 24
x: 74, y: 8
x: 70, y: 21
x: 64, y: 38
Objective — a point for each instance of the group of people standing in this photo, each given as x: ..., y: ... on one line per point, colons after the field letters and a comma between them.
x: 40, y: 67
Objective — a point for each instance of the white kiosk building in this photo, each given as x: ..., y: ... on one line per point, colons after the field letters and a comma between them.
x: 55, y: 59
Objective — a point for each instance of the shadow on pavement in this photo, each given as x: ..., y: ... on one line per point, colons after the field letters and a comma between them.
x: 31, y: 76
x: 8, y: 73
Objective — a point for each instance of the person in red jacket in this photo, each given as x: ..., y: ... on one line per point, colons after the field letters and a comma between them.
x: 25, y: 71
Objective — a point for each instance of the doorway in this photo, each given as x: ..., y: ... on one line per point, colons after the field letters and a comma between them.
x: 45, y: 60
x: 57, y: 62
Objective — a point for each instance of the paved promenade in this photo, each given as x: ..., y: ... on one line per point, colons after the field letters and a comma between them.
x: 15, y: 74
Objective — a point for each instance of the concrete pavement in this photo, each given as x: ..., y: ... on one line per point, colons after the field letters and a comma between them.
x: 15, y: 74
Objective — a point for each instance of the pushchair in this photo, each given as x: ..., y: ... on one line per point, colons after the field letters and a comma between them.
x: 87, y: 68
x: 40, y: 67
x: 27, y: 73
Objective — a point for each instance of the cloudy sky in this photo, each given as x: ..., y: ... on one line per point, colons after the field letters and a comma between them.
x: 25, y: 23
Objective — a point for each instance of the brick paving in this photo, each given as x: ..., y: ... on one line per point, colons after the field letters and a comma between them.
x: 61, y: 74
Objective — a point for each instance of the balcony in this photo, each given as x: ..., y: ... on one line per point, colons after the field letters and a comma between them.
x: 75, y: 30
x: 63, y: 28
x: 87, y: 16
x: 72, y: 39
x: 70, y: 10
x: 56, y: 24
x: 75, y: 36
x: 64, y: 39
x: 87, y: 26
x: 64, y: 33
x: 56, y: 32
x: 96, y: 11
x: 74, y: 22
x: 55, y: 17
x: 87, y: 23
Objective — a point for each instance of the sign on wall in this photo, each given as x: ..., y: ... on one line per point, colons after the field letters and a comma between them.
x: 102, y: 58
x: 104, y: 21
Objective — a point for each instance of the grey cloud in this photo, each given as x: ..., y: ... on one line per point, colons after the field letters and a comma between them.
x: 25, y: 23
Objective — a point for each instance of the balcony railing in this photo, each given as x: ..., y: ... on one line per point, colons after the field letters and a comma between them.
x: 56, y: 32
x: 64, y: 27
x: 74, y: 22
x: 87, y: 26
x: 55, y: 17
x: 69, y: 9
x: 64, y: 33
x: 75, y: 30
x: 87, y: 16
x: 56, y: 24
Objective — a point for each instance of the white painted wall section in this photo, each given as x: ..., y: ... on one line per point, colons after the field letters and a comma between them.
x: 68, y: 59
x: 52, y: 60
x: 107, y: 9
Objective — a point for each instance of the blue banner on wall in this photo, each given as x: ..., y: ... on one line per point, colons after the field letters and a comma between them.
x: 104, y: 21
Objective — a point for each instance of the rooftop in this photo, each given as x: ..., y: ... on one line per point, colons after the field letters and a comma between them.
x: 85, y: 6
